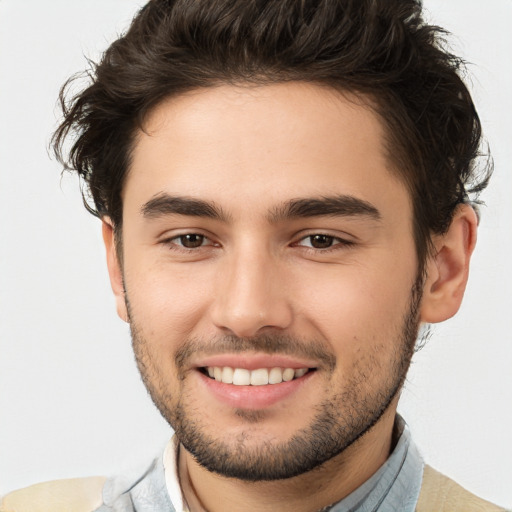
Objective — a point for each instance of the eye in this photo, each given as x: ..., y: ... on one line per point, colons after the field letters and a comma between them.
x: 322, y: 241
x: 190, y: 240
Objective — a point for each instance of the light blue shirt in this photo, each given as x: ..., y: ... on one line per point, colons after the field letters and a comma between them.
x: 395, y: 486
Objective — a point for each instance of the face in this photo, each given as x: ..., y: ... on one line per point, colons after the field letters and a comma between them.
x: 270, y: 274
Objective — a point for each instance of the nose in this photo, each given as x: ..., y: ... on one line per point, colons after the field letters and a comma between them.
x: 252, y: 295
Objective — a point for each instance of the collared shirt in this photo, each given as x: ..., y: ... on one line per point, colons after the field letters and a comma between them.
x: 395, y: 486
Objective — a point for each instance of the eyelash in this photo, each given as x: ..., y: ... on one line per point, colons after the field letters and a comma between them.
x: 337, y: 243
x: 175, y: 246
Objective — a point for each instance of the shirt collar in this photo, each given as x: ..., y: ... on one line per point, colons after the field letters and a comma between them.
x: 172, y: 480
x: 394, y: 486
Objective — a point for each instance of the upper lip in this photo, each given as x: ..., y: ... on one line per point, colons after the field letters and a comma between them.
x: 254, y: 361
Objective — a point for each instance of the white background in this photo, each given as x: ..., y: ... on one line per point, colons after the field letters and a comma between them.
x: 71, y: 403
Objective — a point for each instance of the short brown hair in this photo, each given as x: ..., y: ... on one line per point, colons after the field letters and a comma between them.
x: 379, y: 49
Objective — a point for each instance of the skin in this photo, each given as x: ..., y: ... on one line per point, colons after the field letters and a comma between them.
x: 248, y: 151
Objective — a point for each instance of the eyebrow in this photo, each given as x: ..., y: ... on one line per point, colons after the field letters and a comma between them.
x: 164, y: 204
x: 326, y: 206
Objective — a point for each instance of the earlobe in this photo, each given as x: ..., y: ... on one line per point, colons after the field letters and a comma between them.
x: 114, y: 268
x: 448, y: 269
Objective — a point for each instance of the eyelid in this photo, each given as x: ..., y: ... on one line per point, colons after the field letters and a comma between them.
x: 342, y: 237
x: 339, y: 242
x: 177, y: 240
x: 170, y: 239
x: 174, y: 239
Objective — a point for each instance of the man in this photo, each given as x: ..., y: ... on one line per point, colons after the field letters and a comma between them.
x: 285, y: 195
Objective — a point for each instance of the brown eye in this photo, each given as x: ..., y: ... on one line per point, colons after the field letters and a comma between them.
x: 192, y: 240
x: 321, y: 241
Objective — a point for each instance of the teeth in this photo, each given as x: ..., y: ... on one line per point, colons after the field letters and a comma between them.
x: 241, y: 377
x: 288, y: 374
x: 259, y: 377
x: 275, y: 376
x: 227, y: 375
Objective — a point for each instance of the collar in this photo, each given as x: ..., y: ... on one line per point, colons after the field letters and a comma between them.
x: 172, y: 481
x: 394, y: 486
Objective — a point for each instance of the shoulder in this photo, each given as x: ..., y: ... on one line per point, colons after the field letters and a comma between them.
x: 76, y: 494
x: 136, y: 489
x: 441, y: 494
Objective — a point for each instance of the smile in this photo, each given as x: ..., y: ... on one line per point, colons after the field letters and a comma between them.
x: 257, y: 377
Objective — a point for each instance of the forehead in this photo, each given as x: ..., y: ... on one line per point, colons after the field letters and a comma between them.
x: 257, y: 146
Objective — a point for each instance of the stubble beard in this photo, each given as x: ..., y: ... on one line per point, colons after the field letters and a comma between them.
x: 337, y: 423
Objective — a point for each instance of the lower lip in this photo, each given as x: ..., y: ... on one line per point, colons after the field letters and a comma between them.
x: 253, y: 397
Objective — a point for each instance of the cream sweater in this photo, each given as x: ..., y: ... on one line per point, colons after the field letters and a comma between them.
x: 438, y: 494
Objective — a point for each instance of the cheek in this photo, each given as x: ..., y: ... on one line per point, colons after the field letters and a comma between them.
x: 355, y: 304
x: 167, y: 303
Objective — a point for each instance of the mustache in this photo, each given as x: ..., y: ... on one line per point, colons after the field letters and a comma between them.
x: 267, y: 343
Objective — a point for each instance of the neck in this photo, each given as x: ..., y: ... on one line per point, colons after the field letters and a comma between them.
x: 309, y: 492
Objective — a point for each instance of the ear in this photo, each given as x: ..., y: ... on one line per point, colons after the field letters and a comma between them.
x: 114, y: 268
x: 448, y: 269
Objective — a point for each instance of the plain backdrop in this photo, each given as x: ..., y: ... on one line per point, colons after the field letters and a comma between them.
x: 71, y: 402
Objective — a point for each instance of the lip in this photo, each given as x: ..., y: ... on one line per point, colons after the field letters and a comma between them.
x: 253, y: 397
x: 254, y: 361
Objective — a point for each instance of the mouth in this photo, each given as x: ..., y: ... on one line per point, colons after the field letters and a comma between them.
x: 255, y: 381
x: 256, y: 377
